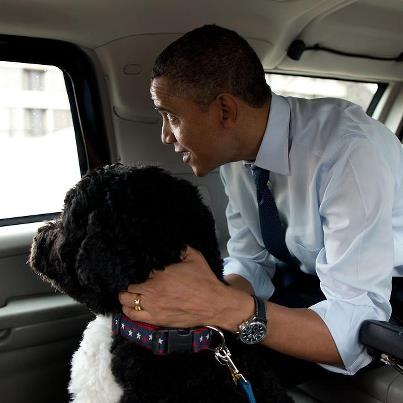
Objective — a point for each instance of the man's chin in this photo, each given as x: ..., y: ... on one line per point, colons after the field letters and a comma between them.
x: 201, y: 171
x: 198, y: 172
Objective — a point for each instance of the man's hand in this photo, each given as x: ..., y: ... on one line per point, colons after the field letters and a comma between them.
x: 187, y: 294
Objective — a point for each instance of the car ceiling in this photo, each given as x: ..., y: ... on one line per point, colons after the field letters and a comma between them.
x: 126, y: 35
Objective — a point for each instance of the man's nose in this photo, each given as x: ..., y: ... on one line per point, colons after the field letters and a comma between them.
x: 167, y: 136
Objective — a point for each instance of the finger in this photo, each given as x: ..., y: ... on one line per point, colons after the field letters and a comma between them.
x: 139, y: 316
x: 136, y: 288
x: 127, y: 299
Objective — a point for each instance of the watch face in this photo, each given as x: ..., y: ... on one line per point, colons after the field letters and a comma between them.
x: 253, y: 332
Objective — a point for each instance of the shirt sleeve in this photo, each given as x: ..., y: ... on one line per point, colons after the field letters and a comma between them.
x: 355, y: 266
x: 246, y: 257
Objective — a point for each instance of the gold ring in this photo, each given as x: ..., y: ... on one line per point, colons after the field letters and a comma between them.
x: 137, y: 303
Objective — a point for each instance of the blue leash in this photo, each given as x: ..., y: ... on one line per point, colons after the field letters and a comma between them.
x: 223, y: 357
x: 246, y: 388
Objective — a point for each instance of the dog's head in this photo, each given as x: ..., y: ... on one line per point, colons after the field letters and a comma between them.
x: 118, y: 224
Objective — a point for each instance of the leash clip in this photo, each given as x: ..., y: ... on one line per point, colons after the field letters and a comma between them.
x: 223, y: 357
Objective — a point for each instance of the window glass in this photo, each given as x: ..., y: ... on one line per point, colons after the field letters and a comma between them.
x: 34, y: 79
x: 38, y: 151
x: 313, y: 87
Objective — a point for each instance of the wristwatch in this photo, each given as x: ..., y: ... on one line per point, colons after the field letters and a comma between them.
x: 254, y: 329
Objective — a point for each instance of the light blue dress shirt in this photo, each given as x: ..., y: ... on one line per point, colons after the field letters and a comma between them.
x: 337, y: 178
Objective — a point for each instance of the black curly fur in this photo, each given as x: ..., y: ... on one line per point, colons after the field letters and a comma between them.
x: 118, y: 224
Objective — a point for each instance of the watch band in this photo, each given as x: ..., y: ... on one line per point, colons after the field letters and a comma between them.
x: 260, y: 308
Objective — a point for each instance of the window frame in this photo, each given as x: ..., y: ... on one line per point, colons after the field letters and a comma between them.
x: 83, y: 94
x: 400, y: 132
x: 374, y: 101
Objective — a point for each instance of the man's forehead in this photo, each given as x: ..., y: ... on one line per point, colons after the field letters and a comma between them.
x: 161, y: 89
x: 165, y: 97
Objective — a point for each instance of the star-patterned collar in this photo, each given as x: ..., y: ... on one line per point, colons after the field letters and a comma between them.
x: 160, y: 340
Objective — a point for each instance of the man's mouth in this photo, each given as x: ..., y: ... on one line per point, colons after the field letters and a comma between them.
x: 186, y: 155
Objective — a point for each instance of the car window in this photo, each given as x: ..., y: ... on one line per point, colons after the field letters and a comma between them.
x: 38, y: 151
x: 360, y: 93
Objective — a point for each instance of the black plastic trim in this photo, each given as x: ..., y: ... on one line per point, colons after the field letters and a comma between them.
x: 376, y: 98
x: 399, y: 132
x: 382, y: 337
x: 4, y: 222
x: 298, y: 47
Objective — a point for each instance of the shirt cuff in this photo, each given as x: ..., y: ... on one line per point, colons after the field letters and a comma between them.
x: 258, y: 276
x: 344, y: 320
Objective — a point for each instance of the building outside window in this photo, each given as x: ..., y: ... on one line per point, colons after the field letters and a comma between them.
x: 33, y: 80
x: 37, y: 140
x: 35, y: 124
x: 61, y: 119
x: 33, y: 100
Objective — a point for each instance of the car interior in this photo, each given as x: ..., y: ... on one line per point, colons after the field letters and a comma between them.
x: 74, y: 95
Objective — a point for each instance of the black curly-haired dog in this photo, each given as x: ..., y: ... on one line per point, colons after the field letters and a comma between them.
x: 119, y: 224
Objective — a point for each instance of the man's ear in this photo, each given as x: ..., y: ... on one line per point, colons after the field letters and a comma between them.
x: 229, y: 109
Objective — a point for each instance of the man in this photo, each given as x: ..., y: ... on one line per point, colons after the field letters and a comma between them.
x: 336, y: 177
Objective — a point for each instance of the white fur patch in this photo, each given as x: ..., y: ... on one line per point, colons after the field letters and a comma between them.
x: 92, y: 380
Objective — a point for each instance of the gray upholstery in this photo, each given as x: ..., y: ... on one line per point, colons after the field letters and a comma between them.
x: 373, y: 386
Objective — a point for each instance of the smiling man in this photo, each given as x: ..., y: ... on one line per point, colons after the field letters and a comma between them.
x: 313, y: 242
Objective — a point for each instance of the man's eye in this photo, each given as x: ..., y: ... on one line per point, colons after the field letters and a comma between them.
x: 172, y: 118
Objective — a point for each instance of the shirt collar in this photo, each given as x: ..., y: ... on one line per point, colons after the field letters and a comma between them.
x: 273, y: 151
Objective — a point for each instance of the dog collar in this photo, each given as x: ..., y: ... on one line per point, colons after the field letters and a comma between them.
x: 159, y: 340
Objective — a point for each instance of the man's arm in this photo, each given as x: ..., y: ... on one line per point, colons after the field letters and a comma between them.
x: 239, y: 283
x: 285, y: 323
x: 188, y: 294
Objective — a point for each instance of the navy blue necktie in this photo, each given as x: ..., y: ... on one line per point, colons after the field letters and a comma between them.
x: 273, y: 232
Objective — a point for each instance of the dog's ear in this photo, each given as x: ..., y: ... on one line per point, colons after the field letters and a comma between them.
x: 44, y: 258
